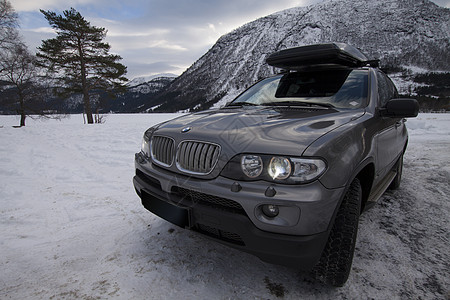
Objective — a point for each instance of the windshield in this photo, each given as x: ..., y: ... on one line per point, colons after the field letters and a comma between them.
x: 341, y: 88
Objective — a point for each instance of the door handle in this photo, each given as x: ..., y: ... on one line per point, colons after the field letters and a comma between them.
x: 398, y: 124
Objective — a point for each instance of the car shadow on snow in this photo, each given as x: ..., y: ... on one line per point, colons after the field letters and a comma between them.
x: 193, y: 261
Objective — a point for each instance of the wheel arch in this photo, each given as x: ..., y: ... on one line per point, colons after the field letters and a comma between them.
x: 365, y: 173
x: 366, y: 176
x: 406, y: 146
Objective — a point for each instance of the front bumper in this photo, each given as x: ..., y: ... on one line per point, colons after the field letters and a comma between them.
x: 210, y: 207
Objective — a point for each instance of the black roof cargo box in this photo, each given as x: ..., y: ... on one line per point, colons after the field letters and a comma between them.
x: 333, y: 53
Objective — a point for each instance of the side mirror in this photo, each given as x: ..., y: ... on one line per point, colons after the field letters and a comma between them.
x: 401, y: 108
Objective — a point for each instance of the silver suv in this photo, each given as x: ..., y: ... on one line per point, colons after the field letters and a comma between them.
x: 284, y: 170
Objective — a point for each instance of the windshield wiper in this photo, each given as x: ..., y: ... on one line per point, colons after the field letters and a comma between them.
x: 299, y: 103
x: 240, y: 104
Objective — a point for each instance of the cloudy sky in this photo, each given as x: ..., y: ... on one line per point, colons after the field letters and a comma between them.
x: 155, y: 36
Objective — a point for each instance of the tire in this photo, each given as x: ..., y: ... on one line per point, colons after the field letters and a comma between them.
x: 395, y: 184
x: 335, y: 263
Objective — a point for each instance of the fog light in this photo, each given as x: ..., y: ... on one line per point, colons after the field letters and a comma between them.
x: 270, y: 210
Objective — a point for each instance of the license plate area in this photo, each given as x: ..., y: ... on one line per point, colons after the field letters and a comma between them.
x: 175, y: 214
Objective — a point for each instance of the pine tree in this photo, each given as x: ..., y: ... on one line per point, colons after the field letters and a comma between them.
x: 79, y: 58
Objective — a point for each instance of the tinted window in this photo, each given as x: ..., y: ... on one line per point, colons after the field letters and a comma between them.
x: 339, y: 88
x: 386, y: 89
x: 262, y: 92
x: 311, y: 84
x: 392, y: 88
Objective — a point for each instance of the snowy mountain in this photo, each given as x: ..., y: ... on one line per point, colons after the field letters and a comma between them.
x: 407, y: 35
x: 144, y: 85
x: 140, y: 91
x: 145, y: 79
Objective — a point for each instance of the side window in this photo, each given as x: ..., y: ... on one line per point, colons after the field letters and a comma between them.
x: 386, y: 89
x: 383, y: 89
x: 392, y: 88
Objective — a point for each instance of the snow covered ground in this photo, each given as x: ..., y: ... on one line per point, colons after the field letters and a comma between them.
x: 71, y: 225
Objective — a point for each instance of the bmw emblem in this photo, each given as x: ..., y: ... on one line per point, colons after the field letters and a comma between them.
x: 186, y: 129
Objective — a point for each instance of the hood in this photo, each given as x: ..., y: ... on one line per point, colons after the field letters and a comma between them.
x: 282, y: 131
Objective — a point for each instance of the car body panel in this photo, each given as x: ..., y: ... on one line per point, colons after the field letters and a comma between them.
x: 256, y: 130
x: 314, y: 202
x: 353, y: 142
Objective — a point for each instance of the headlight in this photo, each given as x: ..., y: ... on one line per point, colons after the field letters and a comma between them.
x: 279, y: 168
x: 251, y: 165
x: 287, y: 170
x: 145, y: 146
x: 307, y: 169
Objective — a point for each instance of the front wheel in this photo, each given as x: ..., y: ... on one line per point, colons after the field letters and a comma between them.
x: 335, y: 263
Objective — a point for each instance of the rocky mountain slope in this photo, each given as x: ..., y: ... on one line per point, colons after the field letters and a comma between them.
x: 140, y: 91
x: 409, y: 36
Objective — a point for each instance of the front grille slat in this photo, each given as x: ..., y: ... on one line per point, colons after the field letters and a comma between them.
x: 165, y: 153
x: 190, y: 163
x: 215, y: 156
x: 188, y: 156
x: 166, y: 147
x: 197, y: 157
x: 198, y: 153
x: 203, y: 158
x: 162, y: 150
x: 183, y: 150
x: 171, y: 153
x: 209, y: 157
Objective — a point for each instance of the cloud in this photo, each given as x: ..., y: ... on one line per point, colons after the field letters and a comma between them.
x: 33, y: 5
x: 174, y: 33
x: 149, y: 69
x: 163, y: 44
x: 136, y: 32
x: 42, y: 30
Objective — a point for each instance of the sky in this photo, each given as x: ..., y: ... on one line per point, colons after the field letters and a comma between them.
x: 155, y: 36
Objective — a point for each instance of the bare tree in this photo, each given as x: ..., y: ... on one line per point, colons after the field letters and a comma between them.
x: 8, y: 26
x: 22, y: 93
x: 20, y: 72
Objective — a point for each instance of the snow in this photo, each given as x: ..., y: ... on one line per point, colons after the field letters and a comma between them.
x: 404, y: 81
x: 144, y: 79
x: 72, y: 226
x: 230, y: 96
